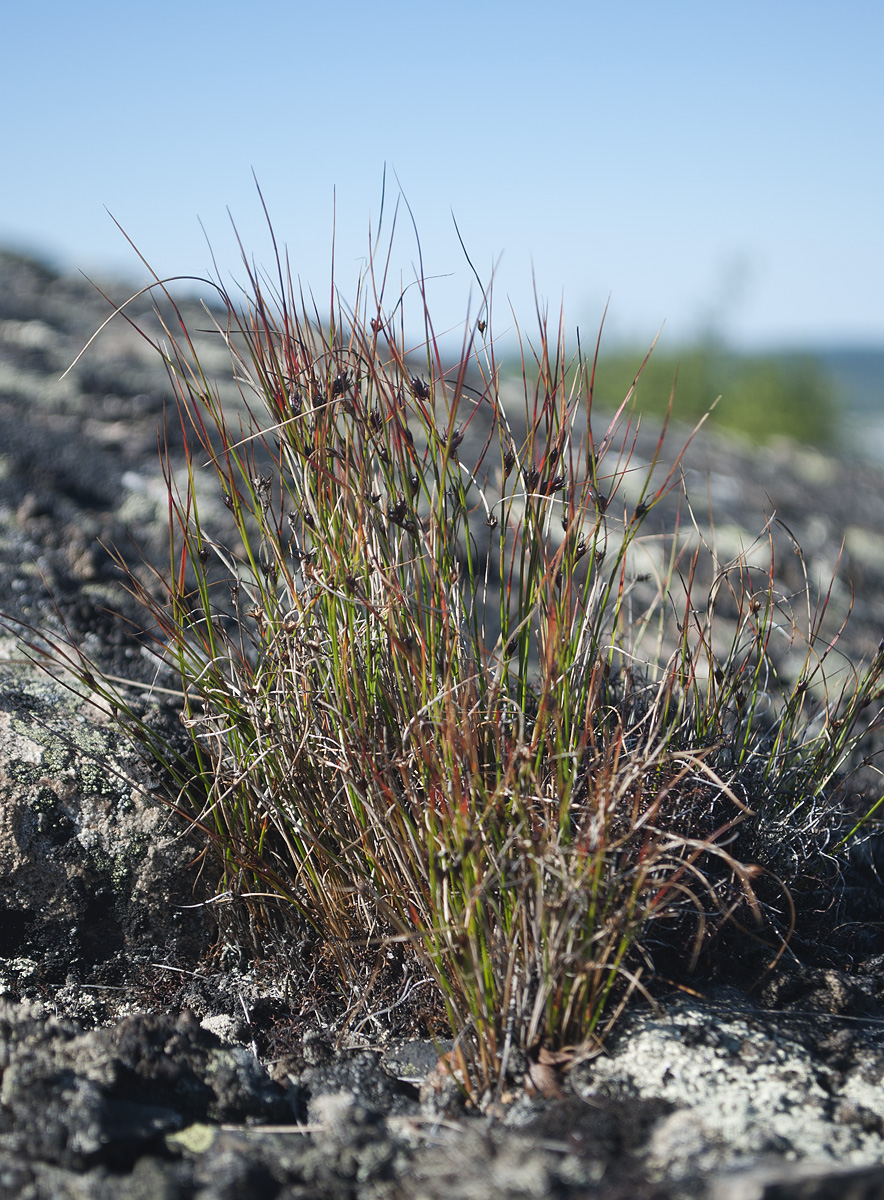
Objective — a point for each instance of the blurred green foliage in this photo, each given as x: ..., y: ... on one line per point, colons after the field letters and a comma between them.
x: 762, y: 397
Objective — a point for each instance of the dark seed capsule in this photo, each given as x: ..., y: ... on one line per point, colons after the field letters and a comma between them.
x: 228, y: 501
x: 420, y: 388
x: 532, y: 478
x: 554, y: 484
x: 640, y: 510
x: 309, y: 519
x: 396, y: 512
x: 509, y: 460
x: 203, y: 556
x: 340, y: 383
x: 414, y: 482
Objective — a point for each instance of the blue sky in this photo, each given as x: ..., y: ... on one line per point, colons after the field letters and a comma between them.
x: 715, y: 166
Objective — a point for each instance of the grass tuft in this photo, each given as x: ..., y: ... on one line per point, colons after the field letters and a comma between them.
x: 435, y: 709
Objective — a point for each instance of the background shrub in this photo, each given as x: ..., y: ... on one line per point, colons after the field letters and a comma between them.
x: 762, y: 397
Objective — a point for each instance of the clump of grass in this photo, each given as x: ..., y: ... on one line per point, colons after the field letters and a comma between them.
x: 431, y: 701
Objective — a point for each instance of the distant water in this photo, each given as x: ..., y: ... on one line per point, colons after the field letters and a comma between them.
x: 858, y: 375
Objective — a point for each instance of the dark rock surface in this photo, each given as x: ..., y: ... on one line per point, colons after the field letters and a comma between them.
x: 140, y: 1056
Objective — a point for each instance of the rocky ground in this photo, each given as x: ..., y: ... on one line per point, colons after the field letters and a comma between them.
x: 144, y: 1055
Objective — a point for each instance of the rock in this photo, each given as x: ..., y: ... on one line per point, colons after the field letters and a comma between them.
x: 92, y: 865
x: 799, y: 1181
x: 360, y: 1078
x: 72, y: 1099
x: 746, y: 1085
